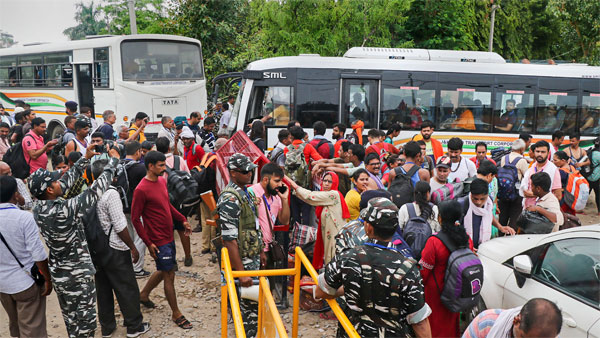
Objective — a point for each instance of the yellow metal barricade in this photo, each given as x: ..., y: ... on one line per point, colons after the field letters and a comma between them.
x: 269, y: 319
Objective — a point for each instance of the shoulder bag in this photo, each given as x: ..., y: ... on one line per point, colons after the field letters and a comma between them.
x: 34, y: 273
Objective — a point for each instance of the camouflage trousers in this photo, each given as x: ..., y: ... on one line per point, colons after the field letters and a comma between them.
x: 249, y: 308
x: 77, y: 299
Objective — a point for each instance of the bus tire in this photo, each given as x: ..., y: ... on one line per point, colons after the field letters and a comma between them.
x: 55, y: 129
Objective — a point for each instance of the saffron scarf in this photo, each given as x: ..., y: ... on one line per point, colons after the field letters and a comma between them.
x: 319, y: 250
x: 358, y: 126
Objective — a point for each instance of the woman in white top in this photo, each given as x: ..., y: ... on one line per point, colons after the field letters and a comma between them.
x: 422, y: 207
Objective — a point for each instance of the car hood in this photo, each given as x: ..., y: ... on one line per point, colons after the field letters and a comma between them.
x: 501, y: 249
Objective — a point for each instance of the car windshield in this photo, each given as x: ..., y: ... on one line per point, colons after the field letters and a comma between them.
x: 161, y: 60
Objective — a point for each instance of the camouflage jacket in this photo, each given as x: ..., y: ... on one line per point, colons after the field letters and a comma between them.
x: 233, y: 217
x: 383, y: 290
x: 61, y: 226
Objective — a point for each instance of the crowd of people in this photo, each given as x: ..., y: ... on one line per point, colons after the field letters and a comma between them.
x: 385, y: 214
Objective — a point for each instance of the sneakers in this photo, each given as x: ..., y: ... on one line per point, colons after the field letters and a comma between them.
x: 141, y: 274
x: 143, y: 328
x: 188, y: 261
x: 108, y: 334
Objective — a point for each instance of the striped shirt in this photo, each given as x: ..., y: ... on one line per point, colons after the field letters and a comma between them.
x: 110, y: 212
x: 482, y: 324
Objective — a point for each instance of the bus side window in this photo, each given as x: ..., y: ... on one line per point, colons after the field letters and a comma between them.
x: 466, y: 102
x: 275, y: 101
x: 589, y: 120
x: 317, y: 97
x: 557, y: 105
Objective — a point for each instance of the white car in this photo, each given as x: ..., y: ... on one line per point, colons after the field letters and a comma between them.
x: 563, y: 267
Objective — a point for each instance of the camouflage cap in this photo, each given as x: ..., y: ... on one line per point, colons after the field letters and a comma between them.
x: 381, y: 213
x: 240, y: 162
x: 41, y: 179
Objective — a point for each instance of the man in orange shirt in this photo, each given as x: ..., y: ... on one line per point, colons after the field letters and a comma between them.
x: 433, y: 147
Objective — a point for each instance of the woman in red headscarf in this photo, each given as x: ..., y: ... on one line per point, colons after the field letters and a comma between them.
x: 332, y: 213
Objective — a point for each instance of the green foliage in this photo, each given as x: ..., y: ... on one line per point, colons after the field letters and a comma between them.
x: 88, y: 18
x: 579, y: 29
x: 151, y: 16
x: 236, y: 32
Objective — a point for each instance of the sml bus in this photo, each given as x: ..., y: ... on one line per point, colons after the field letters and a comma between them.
x: 161, y: 75
x: 465, y: 94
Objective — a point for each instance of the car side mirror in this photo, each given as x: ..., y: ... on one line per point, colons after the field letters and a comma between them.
x: 523, y: 267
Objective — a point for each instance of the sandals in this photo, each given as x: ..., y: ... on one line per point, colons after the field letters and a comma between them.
x: 183, y: 323
x: 148, y: 303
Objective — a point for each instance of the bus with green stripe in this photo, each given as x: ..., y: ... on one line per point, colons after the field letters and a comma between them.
x: 477, y: 96
x: 161, y: 75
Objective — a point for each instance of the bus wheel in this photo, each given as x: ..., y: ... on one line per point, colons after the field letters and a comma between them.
x: 55, y: 130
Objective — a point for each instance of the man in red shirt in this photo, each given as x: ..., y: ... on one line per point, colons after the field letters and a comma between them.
x: 192, y: 152
x: 34, y: 149
x: 480, y: 154
x: 323, y: 146
x: 151, y: 203
x: 378, y: 147
x: 339, y: 129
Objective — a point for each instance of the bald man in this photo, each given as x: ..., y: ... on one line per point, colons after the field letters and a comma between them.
x: 27, y: 202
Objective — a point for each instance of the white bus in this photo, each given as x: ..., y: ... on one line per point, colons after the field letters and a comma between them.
x: 156, y: 74
x: 463, y: 93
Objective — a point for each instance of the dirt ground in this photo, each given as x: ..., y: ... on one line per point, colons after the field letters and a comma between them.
x: 198, y: 295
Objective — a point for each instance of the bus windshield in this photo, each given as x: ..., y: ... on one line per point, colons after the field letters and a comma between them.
x: 160, y: 60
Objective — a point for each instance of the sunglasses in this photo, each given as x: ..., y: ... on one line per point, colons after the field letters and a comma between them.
x: 243, y: 172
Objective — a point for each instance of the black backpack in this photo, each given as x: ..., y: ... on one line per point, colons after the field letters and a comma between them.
x: 499, y: 153
x: 97, y: 239
x: 122, y: 184
x: 59, y: 148
x: 15, y: 158
x: 402, y: 187
x: 204, y: 175
x: 183, y: 191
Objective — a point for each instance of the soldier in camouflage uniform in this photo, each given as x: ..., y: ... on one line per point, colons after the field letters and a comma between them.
x: 353, y: 233
x: 59, y: 219
x: 383, y: 289
x: 241, y: 232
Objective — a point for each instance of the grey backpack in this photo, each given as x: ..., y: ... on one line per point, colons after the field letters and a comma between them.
x: 416, y: 231
x: 463, y: 279
x: 296, y: 167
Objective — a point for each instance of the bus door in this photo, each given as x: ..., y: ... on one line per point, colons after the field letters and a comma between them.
x: 85, y: 89
x: 360, y: 99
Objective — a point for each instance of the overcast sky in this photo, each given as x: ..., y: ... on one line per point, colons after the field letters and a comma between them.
x: 37, y: 20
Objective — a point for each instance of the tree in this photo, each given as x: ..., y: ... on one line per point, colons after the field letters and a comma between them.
x: 151, y: 16
x: 6, y: 39
x: 89, y: 23
x: 580, y: 29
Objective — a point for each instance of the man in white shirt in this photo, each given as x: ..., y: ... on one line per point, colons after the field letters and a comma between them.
x: 23, y: 299
x: 546, y: 203
x: 276, y: 155
x: 114, y: 272
x: 540, y: 150
x: 461, y: 168
x: 167, y: 129
x: 558, y: 136
x: 225, y: 117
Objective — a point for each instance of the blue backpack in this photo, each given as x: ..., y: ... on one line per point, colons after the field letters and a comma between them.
x: 463, y: 278
x: 508, y: 178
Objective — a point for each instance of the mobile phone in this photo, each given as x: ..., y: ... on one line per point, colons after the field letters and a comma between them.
x: 282, y: 189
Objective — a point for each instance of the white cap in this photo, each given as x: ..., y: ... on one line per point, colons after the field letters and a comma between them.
x: 19, y: 109
x: 186, y: 133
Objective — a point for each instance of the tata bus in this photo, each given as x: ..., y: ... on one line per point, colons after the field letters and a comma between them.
x: 161, y: 75
x: 464, y: 93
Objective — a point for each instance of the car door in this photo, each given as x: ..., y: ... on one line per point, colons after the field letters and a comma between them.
x: 566, y: 272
